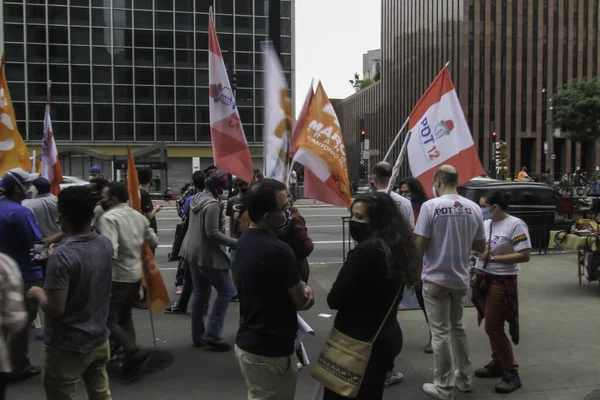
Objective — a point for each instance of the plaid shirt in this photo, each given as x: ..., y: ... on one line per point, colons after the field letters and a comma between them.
x: 13, y: 316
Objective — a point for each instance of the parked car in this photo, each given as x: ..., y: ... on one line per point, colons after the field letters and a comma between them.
x: 534, y: 203
x: 69, y: 181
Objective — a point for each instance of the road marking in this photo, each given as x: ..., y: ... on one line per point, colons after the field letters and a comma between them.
x: 317, y: 242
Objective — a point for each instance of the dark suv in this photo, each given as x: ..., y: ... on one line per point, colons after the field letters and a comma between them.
x: 534, y: 203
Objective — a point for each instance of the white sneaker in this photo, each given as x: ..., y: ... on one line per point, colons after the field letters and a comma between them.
x: 430, y: 390
x: 392, y: 378
x: 463, y: 386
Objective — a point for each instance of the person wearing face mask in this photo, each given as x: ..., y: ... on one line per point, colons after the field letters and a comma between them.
x: 204, y: 249
x: 19, y: 231
x: 271, y: 292
x: 96, y: 186
x: 495, y: 297
x: 127, y: 231
x: 95, y: 172
x: 412, y: 189
x: 369, y: 287
x: 448, y: 228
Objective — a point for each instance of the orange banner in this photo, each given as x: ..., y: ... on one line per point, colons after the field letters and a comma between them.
x: 320, y: 148
x: 13, y: 152
x: 158, y: 296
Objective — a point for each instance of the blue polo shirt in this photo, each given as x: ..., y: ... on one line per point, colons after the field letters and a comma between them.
x: 18, y: 232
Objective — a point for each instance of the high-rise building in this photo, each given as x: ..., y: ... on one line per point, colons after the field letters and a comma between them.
x: 507, y: 58
x: 371, y: 64
x: 136, y: 71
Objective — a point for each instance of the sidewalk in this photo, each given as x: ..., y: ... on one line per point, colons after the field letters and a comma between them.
x: 558, y: 354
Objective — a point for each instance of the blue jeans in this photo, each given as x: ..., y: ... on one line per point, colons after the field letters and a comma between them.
x: 203, y: 279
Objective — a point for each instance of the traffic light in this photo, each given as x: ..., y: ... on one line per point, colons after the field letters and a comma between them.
x: 494, y: 135
x: 363, y: 131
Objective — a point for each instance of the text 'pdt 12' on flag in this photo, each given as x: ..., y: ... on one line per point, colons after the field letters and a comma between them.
x: 230, y: 149
x: 440, y: 135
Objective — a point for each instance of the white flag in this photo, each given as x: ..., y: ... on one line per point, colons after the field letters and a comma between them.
x: 278, y: 117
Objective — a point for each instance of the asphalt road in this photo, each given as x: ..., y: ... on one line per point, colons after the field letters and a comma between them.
x: 324, y: 225
x: 558, y: 354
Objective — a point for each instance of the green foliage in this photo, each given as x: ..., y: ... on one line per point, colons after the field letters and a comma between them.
x: 576, y: 110
x: 359, y: 84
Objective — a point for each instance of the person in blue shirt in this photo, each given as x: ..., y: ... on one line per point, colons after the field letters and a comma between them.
x: 18, y: 232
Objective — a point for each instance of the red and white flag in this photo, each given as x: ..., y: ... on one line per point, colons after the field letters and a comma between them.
x: 301, y: 120
x: 440, y: 135
x: 320, y: 148
x: 230, y: 149
x: 51, y: 169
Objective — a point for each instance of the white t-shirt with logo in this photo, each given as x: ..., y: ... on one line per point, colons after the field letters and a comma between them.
x: 510, y: 235
x: 405, y: 207
x: 451, y: 223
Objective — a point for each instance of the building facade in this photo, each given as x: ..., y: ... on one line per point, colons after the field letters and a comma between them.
x: 507, y: 58
x: 136, y: 71
x: 371, y: 63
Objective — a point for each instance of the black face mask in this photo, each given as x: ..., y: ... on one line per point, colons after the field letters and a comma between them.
x: 359, y: 231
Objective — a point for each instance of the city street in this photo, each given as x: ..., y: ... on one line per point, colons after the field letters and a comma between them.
x: 558, y: 353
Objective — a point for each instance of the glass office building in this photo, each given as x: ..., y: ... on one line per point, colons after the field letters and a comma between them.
x: 135, y: 71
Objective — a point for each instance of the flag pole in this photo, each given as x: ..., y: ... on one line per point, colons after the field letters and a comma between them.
x: 396, y: 139
x: 396, y: 170
x: 149, y: 303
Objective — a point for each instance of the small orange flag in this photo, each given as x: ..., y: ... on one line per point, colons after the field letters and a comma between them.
x: 158, y: 297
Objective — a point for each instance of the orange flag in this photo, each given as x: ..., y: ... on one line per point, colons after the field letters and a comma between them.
x: 13, y: 152
x: 158, y: 297
x: 320, y: 148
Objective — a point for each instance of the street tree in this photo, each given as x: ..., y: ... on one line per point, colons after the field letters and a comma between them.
x: 576, y: 111
x: 359, y: 84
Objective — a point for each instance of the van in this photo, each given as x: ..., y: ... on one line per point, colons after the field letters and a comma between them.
x: 534, y: 203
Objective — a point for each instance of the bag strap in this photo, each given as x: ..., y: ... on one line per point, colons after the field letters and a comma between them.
x: 487, y: 261
x: 387, y: 314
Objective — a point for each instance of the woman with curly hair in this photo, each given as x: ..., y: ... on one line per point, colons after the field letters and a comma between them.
x: 370, y: 282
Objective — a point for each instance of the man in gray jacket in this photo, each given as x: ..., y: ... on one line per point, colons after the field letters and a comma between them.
x: 204, y: 248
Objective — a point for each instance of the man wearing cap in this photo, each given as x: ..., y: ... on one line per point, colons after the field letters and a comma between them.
x: 18, y: 232
x: 95, y: 172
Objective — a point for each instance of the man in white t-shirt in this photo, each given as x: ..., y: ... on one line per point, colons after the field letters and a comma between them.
x: 382, y: 172
x: 449, y: 227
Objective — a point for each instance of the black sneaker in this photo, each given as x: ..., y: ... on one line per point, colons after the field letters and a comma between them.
x: 428, y: 349
x: 508, y: 384
x: 235, y: 299
x: 392, y: 377
x: 493, y: 370
x: 134, y: 365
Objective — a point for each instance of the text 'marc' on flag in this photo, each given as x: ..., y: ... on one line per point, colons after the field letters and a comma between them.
x: 158, y: 296
x: 320, y: 148
x: 13, y: 152
x: 229, y: 145
x: 440, y: 135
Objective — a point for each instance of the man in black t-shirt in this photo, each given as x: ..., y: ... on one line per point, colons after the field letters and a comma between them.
x: 270, y: 293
